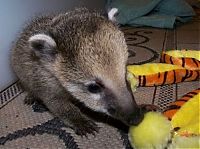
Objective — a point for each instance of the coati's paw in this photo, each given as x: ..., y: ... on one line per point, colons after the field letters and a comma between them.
x: 29, y: 100
x: 85, y: 127
x: 38, y: 106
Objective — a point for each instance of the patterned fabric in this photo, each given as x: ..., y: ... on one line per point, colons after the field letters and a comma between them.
x: 23, y: 126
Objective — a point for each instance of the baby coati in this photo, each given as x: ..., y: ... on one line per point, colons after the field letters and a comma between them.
x: 75, y: 56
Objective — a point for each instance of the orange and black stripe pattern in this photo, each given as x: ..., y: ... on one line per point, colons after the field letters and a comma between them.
x: 169, y: 77
x: 189, y: 63
x: 175, y: 106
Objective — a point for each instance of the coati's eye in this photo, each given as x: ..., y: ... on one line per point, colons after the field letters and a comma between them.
x: 94, y: 88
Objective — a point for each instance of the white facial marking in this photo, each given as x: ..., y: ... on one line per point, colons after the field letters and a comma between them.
x: 97, y: 106
x: 111, y: 14
x: 94, y: 101
x: 43, y: 37
x: 72, y: 88
x: 89, y: 82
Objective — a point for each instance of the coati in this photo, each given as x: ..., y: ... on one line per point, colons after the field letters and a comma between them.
x: 75, y: 56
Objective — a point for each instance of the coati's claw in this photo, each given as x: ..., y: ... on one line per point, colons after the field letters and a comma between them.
x: 39, y: 107
x: 29, y: 100
x: 86, y: 127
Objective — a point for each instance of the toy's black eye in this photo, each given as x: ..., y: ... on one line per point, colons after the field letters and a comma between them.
x: 94, y: 88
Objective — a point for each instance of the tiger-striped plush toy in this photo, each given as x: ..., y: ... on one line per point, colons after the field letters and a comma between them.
x: 175, y: 67
x: 177, y: 128
x: 189, y: 59
x: 176, y: 105
x: 179, y: 125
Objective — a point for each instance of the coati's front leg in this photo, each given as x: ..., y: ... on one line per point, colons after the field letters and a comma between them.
x: 37, y: 104
x: 71, y: 115
x: 29, y: 99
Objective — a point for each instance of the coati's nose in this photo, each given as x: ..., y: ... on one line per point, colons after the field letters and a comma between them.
x: 136, y: 117
x: 130, y: 113
x: 129, y: 119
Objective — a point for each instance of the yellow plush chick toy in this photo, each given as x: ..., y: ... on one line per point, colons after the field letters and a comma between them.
x: 156, y: 131
x: 152, y: 133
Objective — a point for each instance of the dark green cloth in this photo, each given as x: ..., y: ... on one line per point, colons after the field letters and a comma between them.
x: 155, y: 13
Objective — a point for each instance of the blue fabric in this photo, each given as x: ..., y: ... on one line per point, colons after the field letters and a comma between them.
x: 155, y: 13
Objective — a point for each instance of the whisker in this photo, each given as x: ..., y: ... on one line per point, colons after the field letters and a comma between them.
x: 107, y: 117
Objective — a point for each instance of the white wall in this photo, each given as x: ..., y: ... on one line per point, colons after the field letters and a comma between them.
x: 14, y: 14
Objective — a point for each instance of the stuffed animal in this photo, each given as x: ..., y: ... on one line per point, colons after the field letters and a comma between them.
x: 190, y: 59
x: 179, y: 125
x: 152, y: 133
x: 155, y: 74
x: 175, y: 67
x: 156, y: 131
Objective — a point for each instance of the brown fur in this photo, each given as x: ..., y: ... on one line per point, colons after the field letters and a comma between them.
x: 89, y: 48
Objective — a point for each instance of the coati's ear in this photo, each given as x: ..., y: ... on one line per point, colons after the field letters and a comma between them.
x: 112, y: 13
x: 43, y: 45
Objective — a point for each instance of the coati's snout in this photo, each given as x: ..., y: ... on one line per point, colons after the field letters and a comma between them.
x: 116, y: 101
x: 124, y: 108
